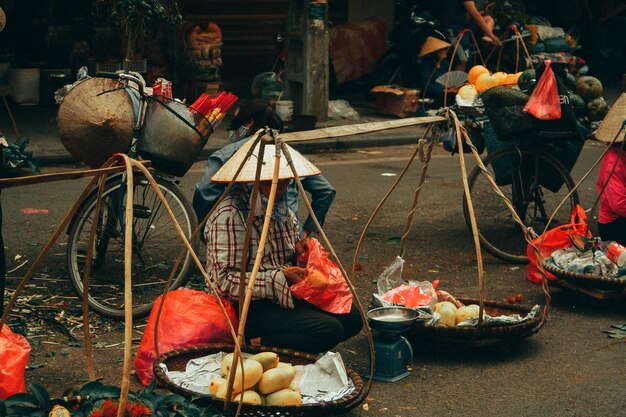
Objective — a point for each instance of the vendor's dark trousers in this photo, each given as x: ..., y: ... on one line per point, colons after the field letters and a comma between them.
x: 616, y: 230
x: 306, y: 328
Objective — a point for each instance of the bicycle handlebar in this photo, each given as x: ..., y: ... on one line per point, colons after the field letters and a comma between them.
x: 123, y: 77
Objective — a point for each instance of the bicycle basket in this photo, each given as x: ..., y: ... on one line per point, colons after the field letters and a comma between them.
x: 170, y: 137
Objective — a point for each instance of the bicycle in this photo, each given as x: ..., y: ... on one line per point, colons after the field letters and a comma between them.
x: 533, y: 179
x: 155, y: 245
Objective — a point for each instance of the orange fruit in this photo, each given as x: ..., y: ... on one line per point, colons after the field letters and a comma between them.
x: 501, y: 77
x: 467, y: 92
x: 474, y: 72
x: 485, y: 81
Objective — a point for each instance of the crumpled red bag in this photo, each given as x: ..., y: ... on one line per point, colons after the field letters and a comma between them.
x: 14, y: 355
x: 324, y: 286
x: 556, y: 238
x: 416, y: 294
x: 189, y: 318
x: 544, y: 101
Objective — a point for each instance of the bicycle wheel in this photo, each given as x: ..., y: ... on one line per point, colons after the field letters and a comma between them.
x: 156, y: 245
x: 535, y: 183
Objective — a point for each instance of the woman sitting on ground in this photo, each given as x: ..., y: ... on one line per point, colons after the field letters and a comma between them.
x: 275, y: 318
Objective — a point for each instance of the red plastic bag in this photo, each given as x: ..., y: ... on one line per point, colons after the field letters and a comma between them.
x: 14, y: 354
x: 556, y: 238
x: 189, y: 318
x: 324, y: 285
x: 544, y: 101
x: 415, y: 294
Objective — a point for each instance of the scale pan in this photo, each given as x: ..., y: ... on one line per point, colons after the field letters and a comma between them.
x: 391, y: 319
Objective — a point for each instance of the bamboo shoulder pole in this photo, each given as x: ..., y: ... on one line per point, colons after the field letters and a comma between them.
x: 256, y: 266
x: 128, y: 287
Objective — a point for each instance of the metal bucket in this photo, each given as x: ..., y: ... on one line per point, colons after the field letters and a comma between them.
x: 170, y: 138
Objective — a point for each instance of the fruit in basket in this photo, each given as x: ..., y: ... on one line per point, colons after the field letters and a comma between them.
x: 501, y: 77
x: 466, y: 312
x: 248, y: 397
x: 597, y: 109
x: 284, y: 397
x: 589, y: 88
x: 474, y: 72
x: 447, y: 311
x: 252, y: 373
x: 511, y: 79
x: 527, y: 80
x: 485, y: 81
x: 577, y: 102
x: 570, y: 82
x: 467, y: 92
x: 275, y: 379
x: 226, y: 363
x: 215, y: 384
x: 268, y: 360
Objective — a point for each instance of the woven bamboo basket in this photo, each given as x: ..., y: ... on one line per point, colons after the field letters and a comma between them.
x: 475, y: 336
x: 177, y: 360
x: 599, y: 282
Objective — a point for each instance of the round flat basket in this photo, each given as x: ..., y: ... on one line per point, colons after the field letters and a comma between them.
x: 599, y: 282
x: 473, y: 336
x: 177, y: 360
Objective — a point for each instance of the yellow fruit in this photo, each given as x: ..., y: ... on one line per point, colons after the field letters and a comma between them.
x: 268, y: 360
x: 467, y: 312
x: 215, y: 383
x: 227, y: 362
x: 467, y: 92
x: 276, y: 379
x: 501, y: 77
x: 485, y: 82
x: 252, y: 372
x: 441, y: 304
x: 448, y: 316
x: 474, y: 72
x: 248, y: 397
x: 284, y: 397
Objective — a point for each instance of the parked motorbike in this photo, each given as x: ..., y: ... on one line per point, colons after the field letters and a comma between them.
x: 398, y: 65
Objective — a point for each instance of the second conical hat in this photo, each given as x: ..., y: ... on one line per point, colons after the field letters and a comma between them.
x: 226, y: 173
x: 431, y: 45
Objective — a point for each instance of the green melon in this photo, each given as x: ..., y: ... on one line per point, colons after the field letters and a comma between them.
x: 527, y: 80
x: 570, y: 82
x: 578, y: 104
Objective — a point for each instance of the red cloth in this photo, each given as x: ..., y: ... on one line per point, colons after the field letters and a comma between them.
x: 613, y: 199
x: 354, y: 48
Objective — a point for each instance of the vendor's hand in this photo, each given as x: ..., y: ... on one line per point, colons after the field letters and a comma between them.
x: 294, y: 274
x: 494, y: 38
x: 303, y: 245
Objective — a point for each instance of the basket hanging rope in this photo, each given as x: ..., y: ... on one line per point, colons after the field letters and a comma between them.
x: 427, y: 143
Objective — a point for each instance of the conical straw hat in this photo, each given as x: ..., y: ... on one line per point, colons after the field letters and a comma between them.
x: 613, y: 122
x: 431, y: 45
x: 226, y: 173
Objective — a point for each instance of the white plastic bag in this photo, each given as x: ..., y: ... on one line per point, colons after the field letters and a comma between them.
x: 341, y: 109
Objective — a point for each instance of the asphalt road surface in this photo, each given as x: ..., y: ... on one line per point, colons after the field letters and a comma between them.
x: 569, y: 368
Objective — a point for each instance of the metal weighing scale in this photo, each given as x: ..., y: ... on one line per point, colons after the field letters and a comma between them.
x: 392, y: 351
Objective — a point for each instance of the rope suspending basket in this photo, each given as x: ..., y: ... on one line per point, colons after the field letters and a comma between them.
x: 492, y: 323
x: 604, y: 283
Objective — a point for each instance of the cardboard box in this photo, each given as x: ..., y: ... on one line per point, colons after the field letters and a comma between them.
x: 401, y: 102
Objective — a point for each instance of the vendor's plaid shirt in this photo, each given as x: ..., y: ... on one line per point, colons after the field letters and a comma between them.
x: 225, y: 233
